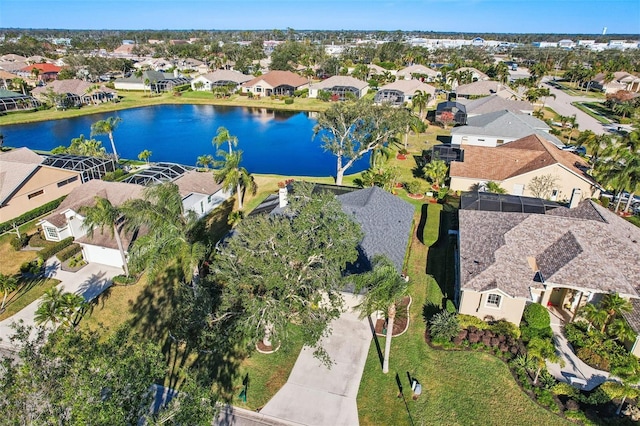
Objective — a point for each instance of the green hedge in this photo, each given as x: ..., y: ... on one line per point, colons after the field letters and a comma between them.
x: 18, y: 242
x: 69, y: 252
x: 47, y: 252
x: 31, y: 214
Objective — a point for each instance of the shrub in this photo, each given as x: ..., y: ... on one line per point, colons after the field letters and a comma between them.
x: 114, y: 176
x: 545, y: 398
x: 576, y: 333
x: 536, y: 316
x: 69, y: 252
x: 18, y: 242
x: 468, y: 321
x: 444, y: 325
x: 33, y: 267
x: 414, y: 187
x: 30, y: 215
x: 506, y: 328
x: 593, y: 359
x: 288, y: 101
x: 47, y: 252
x: 451, y: 308
x: 124, y: 280
x: 605, y: 202
x: 562, y: 388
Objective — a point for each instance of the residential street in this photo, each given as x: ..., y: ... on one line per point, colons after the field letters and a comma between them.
x: 562, y: 105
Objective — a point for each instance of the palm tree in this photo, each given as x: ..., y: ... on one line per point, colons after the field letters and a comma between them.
x: 541, y: 350
x: 624, y: 108
x: 232, y: 176
x: 74, y: 306
x: 384, y: 289
x: 145, y: 155
x: 7, y: 285
x: 224, y: 136
x: 107, y: 127
x: 420, y: 101
x: 495, y: 188
x: 619, y: 330
x: 594, y: 315
x: 102, y: 214
x: 614, y: 305
x: 436, y: 171
x: 51, y: 308
x: 170, y: 237
x: 205, y: 161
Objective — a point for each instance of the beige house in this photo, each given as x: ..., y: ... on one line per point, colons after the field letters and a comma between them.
x: 275, y: 83
x: 26, y: 184
x: 562, y: 258
x: 515, y: 165
x: 339, y: 86
x: 401, y: 92
x: 621, y: 81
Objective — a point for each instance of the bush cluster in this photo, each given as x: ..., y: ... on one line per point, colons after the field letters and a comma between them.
x: 114, y: 175
x: 30, y: 215
x: 536, y: 322
x: 125, y: 280
x: 69, y: 252
x: 18, y: 242
x: 47, y: 252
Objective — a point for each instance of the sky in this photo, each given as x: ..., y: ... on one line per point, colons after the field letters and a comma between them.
x: 469, y: 16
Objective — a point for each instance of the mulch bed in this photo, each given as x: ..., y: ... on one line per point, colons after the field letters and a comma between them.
x: 262, y: 348
x: 400, y: 323
x: 416, y: 196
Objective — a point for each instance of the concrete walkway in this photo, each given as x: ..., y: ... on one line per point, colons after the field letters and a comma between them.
x: 317, y: 395
x: 574, y: 372
x: 89, y: 282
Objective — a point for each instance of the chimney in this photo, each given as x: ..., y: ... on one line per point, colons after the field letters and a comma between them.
x: 576, y: 197
x: 282, y: 197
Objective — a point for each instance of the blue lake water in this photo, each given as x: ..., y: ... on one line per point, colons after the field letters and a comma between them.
x: 278, y: 142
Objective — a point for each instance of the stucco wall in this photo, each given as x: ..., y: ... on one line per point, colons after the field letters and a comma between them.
x: 565, y: 183
x: 45, y: 179
x: 474, y: 303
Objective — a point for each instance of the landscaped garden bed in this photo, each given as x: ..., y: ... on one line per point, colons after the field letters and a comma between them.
x: 401, y: 321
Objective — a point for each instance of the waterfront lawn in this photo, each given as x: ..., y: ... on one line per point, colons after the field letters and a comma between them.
x: 457, y: 387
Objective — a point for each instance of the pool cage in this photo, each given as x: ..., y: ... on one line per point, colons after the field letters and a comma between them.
x: 158, y: 173
x: 11, y: 101
x: 487, y: 201
x: 91, y: 167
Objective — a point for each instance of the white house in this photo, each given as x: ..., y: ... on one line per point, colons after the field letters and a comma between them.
x: 220, y: 78
x: 500, y: 127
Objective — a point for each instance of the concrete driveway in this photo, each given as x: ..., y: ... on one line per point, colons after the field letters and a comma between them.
x: 317, y: 395
x: 89, y: 282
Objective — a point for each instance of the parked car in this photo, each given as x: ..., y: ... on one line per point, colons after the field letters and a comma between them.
x: 580, y: 150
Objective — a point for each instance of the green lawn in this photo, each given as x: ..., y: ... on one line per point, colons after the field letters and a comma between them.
x: 458, y: 387
x: 29, y: 291
x: 595, y: 110
x: 573, y: 90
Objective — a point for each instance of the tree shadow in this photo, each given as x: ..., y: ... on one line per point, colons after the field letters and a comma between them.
x: 424, y: 213
x: 429, y: 309
x: 441, y: 255
x: 376, y: 341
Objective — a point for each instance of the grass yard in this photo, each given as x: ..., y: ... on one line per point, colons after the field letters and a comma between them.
x: 595, y: 110
x: 28, y: 292
x: 457, y: 387
x: 573, y: 90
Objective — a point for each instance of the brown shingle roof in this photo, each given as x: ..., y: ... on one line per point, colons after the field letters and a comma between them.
x: 278, y: 78
x: 197, y: 182
x: 595, y: 255
x: 16, y: 166
x: 77, y: 87
x: 515, y: 158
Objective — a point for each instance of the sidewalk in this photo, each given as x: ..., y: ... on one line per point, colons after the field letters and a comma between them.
x: 574, y: 372
x: 89, y: 282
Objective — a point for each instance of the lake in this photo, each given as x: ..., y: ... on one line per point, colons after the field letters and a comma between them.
x: 274, y: 142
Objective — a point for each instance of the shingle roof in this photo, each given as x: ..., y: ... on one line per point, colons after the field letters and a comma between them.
x: 197, y: 182
x: 278, y: 78
x: 340, y: 80
x: 42, y: 67
x: 494, y: 103
x: 84, y: 195
x: 633, y: 317
x: 16, y: 166
x: 515, y: 158
x: 506, y: 124
x: 417, y: 69
x: 227, y: 75
x: 478, y: 88
x: 385, y: 219
x: 595, y: 255
x: 409, y: 87
x: 75, y: 86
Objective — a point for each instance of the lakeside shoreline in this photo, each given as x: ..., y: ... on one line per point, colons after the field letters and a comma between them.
x: 131, y: 100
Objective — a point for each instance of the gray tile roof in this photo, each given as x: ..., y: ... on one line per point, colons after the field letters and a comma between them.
x: 494, y: 103
x: 596, y: 252
x: 506, y: 124
x: 409, y: 87
x: 227, y: 75
x: 633, y: 317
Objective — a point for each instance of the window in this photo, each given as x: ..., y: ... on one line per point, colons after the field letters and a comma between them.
x: 554, y: 194
x: 480, y: 140
x: 51, y: 232
x: 67, y: 181
x: 493, y: 300
x: 258, y: 89
x: 35, y: 194
x: 500, y: 142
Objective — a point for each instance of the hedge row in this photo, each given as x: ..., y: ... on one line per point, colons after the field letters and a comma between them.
x: 47, y: 252
x: 69, y: 252
x: 31, y: 214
